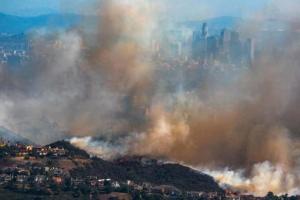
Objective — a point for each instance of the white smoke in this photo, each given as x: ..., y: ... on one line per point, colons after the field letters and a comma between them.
x: 264, y: 177
x: 107, y: 149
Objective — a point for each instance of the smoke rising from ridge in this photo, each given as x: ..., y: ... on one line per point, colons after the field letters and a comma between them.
x: 263, y: 178
x: 107, y: 85
x: 82, y: 85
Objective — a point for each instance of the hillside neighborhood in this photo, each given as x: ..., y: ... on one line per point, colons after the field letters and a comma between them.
x: 60, y: 170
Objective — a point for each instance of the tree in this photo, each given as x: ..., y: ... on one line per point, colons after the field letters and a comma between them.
x: 271, y: 196
x: 107, y: 187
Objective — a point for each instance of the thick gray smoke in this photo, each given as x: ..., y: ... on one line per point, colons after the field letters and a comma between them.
x: 107, y: 86
x: 79, y: 85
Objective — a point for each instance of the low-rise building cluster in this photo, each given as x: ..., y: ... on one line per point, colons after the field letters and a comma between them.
x: 46, y: 178
x: 27, y: 151
x: 14, y: 49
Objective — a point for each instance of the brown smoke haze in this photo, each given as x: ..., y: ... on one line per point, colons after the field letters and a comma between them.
x: 247, y: 122
x: 107, y: 86
x: 119, y: 62
x: 81, y: 84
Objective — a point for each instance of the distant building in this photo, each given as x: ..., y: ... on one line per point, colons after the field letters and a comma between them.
x: 199, y: 44
x: 225, y: 38
x: 204, y: 30
x: 212, y: 48
x: 249, y: 51
x: 235, y: 48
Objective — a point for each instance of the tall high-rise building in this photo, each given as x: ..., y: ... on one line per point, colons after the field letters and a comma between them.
x: 235, y: 48
x: 212, y: 48
x: 224, y: 45
x: 199, y: 44
x: 249, y: 51
x: 225, y: 37
x: 197, y: 35
x: 204, y: 30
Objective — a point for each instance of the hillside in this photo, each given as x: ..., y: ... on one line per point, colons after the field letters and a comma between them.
x: 15, y: 25
x: 215, y: 24
x: 143, y: 169
x: 154, y: 172
x: 140, y: 169
x: 11, y: 24
x: 10, y: 136
x: 71, y: 149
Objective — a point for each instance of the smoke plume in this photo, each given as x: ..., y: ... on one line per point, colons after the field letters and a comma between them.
x: 78, y: 83
x: 263, y: 178
x: 107, y: 85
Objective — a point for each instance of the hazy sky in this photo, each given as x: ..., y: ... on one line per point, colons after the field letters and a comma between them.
x: 175, y: 8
